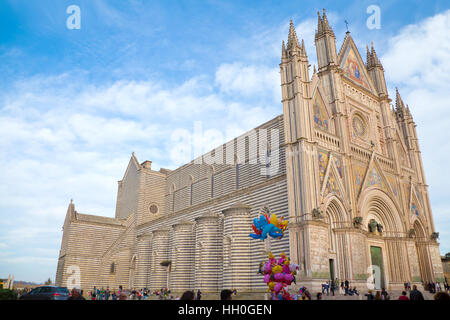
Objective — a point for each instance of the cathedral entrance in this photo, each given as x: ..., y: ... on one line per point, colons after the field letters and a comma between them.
x: 377, y: 260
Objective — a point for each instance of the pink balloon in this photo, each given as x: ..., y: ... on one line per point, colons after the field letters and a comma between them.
x: 286, y: 269
x: 267, y: 278
x: 267, y: 268
x: 278, y: 287
x: 278, y: 277
x: 288, y: 278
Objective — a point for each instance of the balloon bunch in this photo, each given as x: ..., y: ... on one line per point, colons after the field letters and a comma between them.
x: 278, y: 274
x: 264, y: 226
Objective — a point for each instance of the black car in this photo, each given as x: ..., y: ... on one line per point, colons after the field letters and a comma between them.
x: 46, y: 293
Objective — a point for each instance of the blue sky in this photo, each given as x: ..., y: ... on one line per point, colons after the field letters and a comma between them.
x: 74, y: 104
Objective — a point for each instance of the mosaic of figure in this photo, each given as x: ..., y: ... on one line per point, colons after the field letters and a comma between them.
x: 353, y: 71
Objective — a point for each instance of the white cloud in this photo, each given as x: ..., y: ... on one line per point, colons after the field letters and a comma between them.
x: 255, y: 81
x: 417, y: 61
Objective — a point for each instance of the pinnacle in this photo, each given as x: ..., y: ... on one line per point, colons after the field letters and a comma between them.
x: 292, y: 38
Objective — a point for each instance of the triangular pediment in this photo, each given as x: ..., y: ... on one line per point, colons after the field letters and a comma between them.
x: 375, y: 178
x: 321, y: 114
x: 353, y: 66
x: 332, y: 183
x: 416, y: 205
x: 402, y: 150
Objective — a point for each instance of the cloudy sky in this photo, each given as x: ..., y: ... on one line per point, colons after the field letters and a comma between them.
x: 74, y: 104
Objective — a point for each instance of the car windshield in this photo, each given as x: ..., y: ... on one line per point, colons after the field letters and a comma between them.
x: 62, y: 290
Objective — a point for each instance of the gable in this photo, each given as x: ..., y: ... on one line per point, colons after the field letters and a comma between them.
x: 353, y: 67
x: 333, y: 178
x: 320, y: 113
x: 373, y: 177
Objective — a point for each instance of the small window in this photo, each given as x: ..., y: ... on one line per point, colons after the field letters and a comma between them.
x: 113, y: 268
x: 153, y: 209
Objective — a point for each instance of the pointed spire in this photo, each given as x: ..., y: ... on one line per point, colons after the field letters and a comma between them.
x: 326, y: 26
x: 368, y: 59
x: 319, y: 23
x: 292, y: 38
x: 283, y: 51
x: 399, y: 105
x: 322, y: 25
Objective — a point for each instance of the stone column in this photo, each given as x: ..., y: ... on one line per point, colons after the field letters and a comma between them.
x: 208, y: 253
x: 160, y: 253
x: 237, y: 269
x: 182, y: 273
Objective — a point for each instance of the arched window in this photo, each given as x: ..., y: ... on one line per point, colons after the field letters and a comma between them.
x: 112, y: 268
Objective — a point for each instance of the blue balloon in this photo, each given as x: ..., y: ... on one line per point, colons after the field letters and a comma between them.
x: 265, y: 228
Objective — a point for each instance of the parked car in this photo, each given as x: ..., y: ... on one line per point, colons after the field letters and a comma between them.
x: 46, y: 293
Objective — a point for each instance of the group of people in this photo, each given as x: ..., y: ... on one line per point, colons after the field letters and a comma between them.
x: 433, y: 287
x: 344, y: 288
x: 225, y: 294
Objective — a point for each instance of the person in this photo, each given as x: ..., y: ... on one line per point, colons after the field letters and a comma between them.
x: 441, y: 295
x: 319, y: 296
x: 347, y: 285
x: 415, y: 294
x: 225, y: 294
x: 107, y: 293
x: 123, y: 295
x: 369, y: 295
x: 76, y: 295
x: 378, y: 295
x: 332, y: 287
x: 114, y: 295
x: 384, y: 294
x: 353, y: 292
x: 342, y: 287
x: 188, y: 295
x: 199, y: 294
x: 403, y: 296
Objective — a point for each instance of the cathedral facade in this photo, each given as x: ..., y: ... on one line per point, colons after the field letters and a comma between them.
x: 341, y: 164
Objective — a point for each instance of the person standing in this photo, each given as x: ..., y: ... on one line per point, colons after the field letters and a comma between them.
x: 332, y: 287
x: 384, y: 294
x: 415, y: 294
x: 199, y: 294
x: 107, y: 293
x: 114, y: 295
x: 347, y: 285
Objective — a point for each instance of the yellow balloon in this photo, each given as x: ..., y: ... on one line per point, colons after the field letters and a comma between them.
x: 277, y: 269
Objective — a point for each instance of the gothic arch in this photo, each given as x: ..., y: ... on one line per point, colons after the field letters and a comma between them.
x: 419, y: 230
x: 336, y: 210
x: 375, y: 203
x: 336, y: 217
